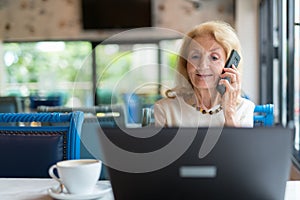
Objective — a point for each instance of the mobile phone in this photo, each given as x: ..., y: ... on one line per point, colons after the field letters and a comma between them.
x: 234, y: 58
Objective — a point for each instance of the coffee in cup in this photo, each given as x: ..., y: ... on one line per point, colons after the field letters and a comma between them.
x: 78, y: 176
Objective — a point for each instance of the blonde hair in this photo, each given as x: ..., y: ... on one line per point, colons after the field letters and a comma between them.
x: 221, y: 31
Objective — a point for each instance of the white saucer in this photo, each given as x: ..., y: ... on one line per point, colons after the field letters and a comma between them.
x: 100, y: 190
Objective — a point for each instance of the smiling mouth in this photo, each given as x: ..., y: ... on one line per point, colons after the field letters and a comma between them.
x: 204, y: 75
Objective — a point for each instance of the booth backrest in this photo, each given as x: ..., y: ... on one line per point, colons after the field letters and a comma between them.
x: 264, y: 115
x: 31, y: 142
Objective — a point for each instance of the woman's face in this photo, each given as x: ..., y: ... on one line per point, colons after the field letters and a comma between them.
x: 205, y: 62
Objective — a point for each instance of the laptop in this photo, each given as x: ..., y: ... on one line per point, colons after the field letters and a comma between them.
x: 197, y: 163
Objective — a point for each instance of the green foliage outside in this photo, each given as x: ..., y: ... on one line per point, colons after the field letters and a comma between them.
x: 29, y: 63
x: 111, y: 65
x: 49, y: 66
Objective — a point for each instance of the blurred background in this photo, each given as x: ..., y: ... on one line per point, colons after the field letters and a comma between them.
x: 92, y: 52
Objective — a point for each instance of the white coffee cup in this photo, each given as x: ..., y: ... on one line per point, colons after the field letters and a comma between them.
x: 78, y: 176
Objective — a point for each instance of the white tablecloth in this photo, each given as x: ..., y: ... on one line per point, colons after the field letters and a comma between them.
x: 36, y: 189
x: 292, y: 190
x: 31, y: 189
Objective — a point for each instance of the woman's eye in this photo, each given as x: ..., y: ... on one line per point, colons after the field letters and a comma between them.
x: 195, y: 56
x: 214, y: 58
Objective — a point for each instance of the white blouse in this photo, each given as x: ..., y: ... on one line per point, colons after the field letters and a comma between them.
x: 177, y: 113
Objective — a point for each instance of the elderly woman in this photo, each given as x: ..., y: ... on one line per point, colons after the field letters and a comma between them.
x: 195, y: 101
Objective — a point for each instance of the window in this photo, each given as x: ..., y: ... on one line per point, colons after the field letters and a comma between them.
x: 65, y: 68
x: 295, y: 51
x: 47, y: 68
x: 145, y: 69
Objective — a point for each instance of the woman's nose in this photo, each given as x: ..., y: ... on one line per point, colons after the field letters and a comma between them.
x: 202, y: 63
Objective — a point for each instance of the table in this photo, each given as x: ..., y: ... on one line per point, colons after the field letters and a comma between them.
x: 31, y: 189
x: 36, y: 189
x: 292, y: 190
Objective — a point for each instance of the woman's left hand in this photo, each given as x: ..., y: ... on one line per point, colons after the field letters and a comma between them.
x: 231, y: 95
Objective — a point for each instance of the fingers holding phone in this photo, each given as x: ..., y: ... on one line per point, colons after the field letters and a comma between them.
x: 230, y: 80
x: 232, y: 75
x: 229, y: 72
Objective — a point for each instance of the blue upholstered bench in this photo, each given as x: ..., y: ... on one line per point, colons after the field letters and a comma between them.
x: 31, y: 142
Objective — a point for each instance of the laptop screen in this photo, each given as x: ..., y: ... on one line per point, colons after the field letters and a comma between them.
x: 197, y: 163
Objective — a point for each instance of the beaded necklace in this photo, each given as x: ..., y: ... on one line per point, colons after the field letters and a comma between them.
x: 211, y: 112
